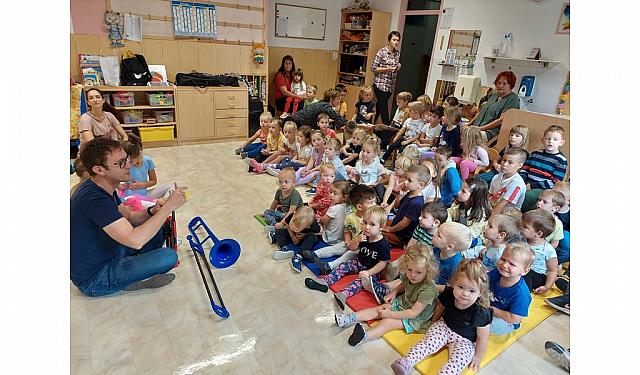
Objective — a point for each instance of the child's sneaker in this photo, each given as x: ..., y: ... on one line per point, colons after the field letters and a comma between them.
x: 341, y: 299
x: 309, y: 255
x: 559, y: 355
x: 237, y: 151
x: 243, y: 155
x: 358, y: 336
x: 257, y: 167
x: 314, y: 285
x: 560, y: 303
x: 377, y: 289
x: 324, y: 267
x: 273, y: 171
x: 311, y: 191
x: 283, y: 253
x: 400, y: 367
x: 248, y: 161
x: 296, y: 263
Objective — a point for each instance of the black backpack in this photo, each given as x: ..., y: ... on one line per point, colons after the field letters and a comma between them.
x: 204, y: 79
x: 135, y: 71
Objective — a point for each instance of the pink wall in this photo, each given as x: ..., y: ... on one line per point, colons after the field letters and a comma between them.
x: 88, y: 17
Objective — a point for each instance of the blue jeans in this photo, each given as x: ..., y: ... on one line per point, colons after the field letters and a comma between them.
x: 272, y: 216
x: 131, y: 266
x: 253, y: 149
x: 563, y: 248
x: 487, y: 176
x: 500, y: 327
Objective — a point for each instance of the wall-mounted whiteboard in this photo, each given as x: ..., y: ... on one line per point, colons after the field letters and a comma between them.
x: 294, y: 21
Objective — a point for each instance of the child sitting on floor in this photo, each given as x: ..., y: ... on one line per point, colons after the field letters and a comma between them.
x: 373, y: 255
x: 411, y: 311
x: 471, y: 207
x: 321, y: 201
x: 275, y: 138
x: 564, y: 247
x: 507, y: 187
x: 431, y: 192
x: 365, y: 108
x: 518, y: 137
x: 323, y: 125
x: 474, y: 154
x: 312, y: 90
x: 286, y: 201
x: 359, y: 199
x: 331, y: 149
x: 81, y: 172
x: 499, y: 230
x: 551, y: 201
x: 450, y: 181
x: 396, y: 183
x: 142, y: 172
x: 461, y: 323
x: 536, y: 225
x: 510, y: 298
x: 409, y: 133
x: 342, y: 107
x: 450, y: 133
x: 431, y: 131
x: 450, y: 240
x: 368, y: 170
x: 300, y: 229
x: 387, y: 132
x: 309, y: 173
x: 350, y: 152
x: 399, y: 231
x: 249, y: 149
x: 287, y: 150
x: 298, y: 161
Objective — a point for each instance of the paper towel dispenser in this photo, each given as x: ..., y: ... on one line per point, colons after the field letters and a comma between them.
x: 467, y: 89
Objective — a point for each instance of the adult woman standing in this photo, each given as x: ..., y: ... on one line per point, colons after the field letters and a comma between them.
x: 489, y: 119
x: 385, y: 67
x: 99, y: 121
x: 282, y: 82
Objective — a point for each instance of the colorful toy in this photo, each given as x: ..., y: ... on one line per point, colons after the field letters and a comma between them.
x: 222, y: 255
x: 258, y: 53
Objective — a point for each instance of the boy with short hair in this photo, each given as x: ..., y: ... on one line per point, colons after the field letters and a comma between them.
x: 404, y: 223
x: 450, y: 240
x: 342, y: 93
x: 511, y: 298
x: 350, y: 151
x: 361, y: 197
x: 301, y: 229
x: 450, y: 182
x: 507, y: 187
x: 311, y: 95
x: 331, y: 149
x: 323, y: 125
x: 563, y: 214
x: 386, y: 132
x: 285, y: 202
x: 551, y: 201
x: 545, y: 167
x: 535, y: 226
x: 275, y: 139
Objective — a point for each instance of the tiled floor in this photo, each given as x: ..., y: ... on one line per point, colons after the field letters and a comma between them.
x: 277, y: 326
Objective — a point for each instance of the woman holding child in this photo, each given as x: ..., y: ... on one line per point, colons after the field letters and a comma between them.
x: 282, y: 82
x: 489, y: 119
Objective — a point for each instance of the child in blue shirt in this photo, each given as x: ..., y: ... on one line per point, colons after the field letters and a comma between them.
x: 449, y: 242
x: 142, y: 172
x: 450, y: 181
x: 510, y: 295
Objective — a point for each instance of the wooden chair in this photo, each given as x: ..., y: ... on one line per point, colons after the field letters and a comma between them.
x: 493, y: 156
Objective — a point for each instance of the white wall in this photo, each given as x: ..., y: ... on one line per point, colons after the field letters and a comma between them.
x: 333, y: 8
x: 531, y: 24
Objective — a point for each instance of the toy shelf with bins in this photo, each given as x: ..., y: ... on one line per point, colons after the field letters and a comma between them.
x: 153, y: 133
x: 362, y: 34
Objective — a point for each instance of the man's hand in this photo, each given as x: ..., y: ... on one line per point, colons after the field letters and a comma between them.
x: 177, y: 198
x: 386, y: 228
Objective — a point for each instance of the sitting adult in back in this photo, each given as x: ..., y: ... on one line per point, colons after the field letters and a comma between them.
x: 309, y: 114
x: 113, y: 248
x: 102, y: 120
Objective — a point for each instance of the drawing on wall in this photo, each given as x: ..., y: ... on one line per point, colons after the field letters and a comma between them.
x: 563, y: 22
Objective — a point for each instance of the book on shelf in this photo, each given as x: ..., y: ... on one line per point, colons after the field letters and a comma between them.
x: 90, y: 65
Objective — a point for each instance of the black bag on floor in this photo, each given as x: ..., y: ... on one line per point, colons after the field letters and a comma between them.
x: 135, y: 71
x: 204, y: 79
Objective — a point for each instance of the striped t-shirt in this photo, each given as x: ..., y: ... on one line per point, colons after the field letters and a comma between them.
x: 423, y: 236
x: 542, y: 169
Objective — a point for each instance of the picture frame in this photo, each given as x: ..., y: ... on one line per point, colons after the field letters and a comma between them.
x: 563, y: 22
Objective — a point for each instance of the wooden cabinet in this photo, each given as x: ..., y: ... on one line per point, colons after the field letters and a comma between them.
x: 211, y: 114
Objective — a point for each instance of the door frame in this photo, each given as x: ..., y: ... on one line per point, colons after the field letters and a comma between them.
x: 401, y: 20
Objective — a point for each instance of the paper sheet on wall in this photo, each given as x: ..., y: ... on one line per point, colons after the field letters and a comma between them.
x: 110, y: 70
x: 132, y: 27
x: 447, y: 18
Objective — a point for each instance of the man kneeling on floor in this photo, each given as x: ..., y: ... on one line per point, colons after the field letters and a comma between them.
x: 113, y: 248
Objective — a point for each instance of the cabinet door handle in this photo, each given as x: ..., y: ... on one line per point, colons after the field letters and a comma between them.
x: 232, y: 105
x: 232, y: 97
x: 231, y: 123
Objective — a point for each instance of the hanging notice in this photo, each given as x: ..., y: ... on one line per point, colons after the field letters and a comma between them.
x: 194, y: 19
x: 447, y: 18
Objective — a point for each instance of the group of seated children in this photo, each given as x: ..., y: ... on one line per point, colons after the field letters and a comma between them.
x: 465, y: 236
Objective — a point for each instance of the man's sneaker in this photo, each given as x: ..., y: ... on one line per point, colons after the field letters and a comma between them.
x: 156, y: 281
x: 560, y: 303
x: 283, y: 253
x: 377, y: 289
x: 341, y: 300
x: 273, y: 171
x: 559, y: 356
x: 237, y: 151
x: 296, y: 263
x: 324, y: 267
x: 562, y: 282
x: 392, y: 270
x: 309, y: 255
x: 400, y: 367
x: 243, y: 155
x: 311, y: 191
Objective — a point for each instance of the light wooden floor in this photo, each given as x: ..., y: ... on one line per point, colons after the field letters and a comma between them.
x: 277, y: 326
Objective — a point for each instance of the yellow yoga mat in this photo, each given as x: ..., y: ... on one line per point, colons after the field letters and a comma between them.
x: 538, y: 311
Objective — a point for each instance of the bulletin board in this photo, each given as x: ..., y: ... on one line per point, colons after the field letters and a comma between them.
x: 300, y: 22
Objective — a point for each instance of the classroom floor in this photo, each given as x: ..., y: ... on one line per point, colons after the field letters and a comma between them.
x: 277, y: 326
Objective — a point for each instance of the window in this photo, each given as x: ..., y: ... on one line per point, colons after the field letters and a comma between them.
x: 423, y: 5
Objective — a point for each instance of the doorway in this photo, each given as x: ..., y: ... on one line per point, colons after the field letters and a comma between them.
x: 418, y: 38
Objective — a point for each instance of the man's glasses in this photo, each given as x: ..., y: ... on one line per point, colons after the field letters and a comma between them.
x: 123, y: 162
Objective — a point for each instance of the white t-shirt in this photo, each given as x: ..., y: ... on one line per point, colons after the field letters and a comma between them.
x: 414, y: 127
x: 369, y: 173
x: 429, y: 192
x: 432, y: 132
x: 299, y: 88
x: 334, y: 231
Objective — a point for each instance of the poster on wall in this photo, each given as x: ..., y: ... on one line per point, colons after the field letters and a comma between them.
x: 563, y: 22
x: 194, y: 19
x: 447, y: 18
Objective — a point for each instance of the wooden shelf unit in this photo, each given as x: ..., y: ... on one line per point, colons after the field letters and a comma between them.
x: 349, y: 63
x: 518, y: 62
x: 140, y: 98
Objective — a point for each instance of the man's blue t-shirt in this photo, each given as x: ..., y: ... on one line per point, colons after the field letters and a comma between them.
x: 447, y: 266
x: 515, y: 299
x: 140, y: 174
x: 92, y: 209
x: 411, y: 208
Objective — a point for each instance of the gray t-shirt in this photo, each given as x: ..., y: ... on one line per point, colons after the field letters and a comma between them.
x: 293, y: 198
x: 334, y: 231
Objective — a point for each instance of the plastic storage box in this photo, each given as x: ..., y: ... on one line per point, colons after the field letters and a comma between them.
x: 123, y: 99
x: 156, y: 133
x: 132, y: 116
x: 160, y: 98
x: 163, y: 116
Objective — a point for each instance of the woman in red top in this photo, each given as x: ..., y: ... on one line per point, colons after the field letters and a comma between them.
x: 282, y: 82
